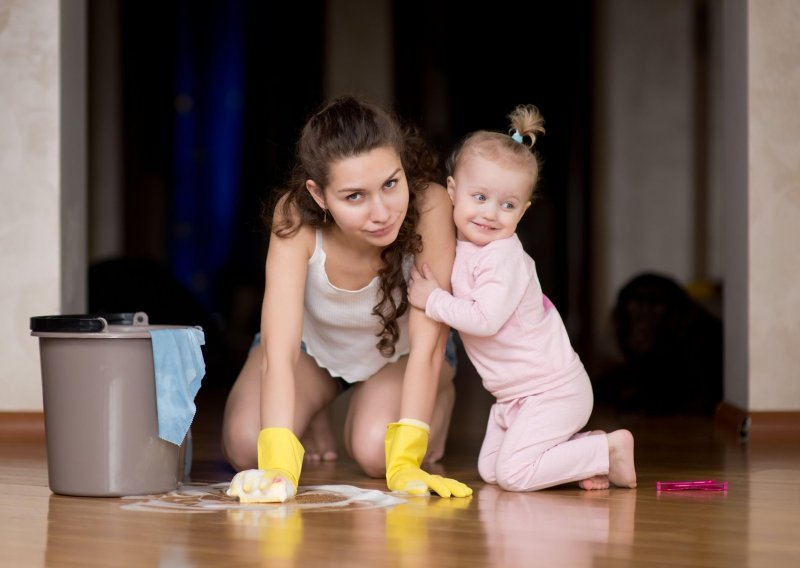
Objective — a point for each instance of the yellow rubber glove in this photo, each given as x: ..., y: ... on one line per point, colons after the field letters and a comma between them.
x: 406, y: 445
x: 280, y: 459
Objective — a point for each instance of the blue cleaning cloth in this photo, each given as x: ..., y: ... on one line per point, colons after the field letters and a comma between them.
x: 179, y: 369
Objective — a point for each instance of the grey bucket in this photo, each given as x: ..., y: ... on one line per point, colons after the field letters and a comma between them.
x: 99, y: 395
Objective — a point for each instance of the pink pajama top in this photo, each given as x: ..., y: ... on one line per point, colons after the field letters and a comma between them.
x: 511, y: 332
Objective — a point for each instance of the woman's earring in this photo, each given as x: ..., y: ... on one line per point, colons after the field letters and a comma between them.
x: 324, y: 216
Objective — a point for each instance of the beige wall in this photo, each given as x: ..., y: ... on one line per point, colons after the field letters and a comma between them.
x: 30, y: 248
x: 774, y: 204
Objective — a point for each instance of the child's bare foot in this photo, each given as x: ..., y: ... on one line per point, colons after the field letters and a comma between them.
x: 597, y: 481
x: 318, y: 440
x: 621, y: 469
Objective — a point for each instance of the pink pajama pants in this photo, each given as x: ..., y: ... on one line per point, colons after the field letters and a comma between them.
x: 532, y: 442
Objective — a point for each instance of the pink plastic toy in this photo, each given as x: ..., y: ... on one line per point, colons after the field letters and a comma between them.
x: 700, y: 485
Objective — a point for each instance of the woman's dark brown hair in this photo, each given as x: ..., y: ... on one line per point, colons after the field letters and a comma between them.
x: 343, y: 128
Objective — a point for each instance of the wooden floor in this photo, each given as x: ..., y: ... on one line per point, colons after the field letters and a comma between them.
x: 757, y: 523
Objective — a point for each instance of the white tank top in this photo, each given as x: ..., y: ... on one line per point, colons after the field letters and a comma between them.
x: 339, y: 329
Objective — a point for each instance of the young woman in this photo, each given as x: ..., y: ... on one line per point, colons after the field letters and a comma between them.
x: 359, y: 210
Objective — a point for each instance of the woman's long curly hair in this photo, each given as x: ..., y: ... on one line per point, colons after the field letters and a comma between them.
x: 343, y: 128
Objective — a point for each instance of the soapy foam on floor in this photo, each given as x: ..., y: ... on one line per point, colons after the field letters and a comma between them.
x: 207, y: 498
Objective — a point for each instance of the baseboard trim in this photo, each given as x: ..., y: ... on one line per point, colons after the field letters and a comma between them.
x: 758, y: 426
x: 21, y: 426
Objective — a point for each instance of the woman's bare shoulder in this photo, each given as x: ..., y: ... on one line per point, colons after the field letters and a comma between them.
x: 288, y: 229
x: 435, y: 200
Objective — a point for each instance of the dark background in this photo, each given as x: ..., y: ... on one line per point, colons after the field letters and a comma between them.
x: 214, y: 94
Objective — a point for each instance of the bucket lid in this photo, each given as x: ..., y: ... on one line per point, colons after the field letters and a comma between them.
x: 96, y: 326
x: 85, y: 323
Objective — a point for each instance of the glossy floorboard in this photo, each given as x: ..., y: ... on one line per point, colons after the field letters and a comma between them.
x: 757, y: 523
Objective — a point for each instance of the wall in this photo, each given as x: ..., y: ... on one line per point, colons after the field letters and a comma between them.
x: 30, y: 238
x: 733, y: 171
x: 106, y: 201
x: 773, y: 205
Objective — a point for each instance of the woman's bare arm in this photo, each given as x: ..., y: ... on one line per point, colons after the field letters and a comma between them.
x: 427, y: 338
x: 282, y: 324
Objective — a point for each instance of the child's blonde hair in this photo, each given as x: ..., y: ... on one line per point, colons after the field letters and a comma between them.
x: 526, y: 123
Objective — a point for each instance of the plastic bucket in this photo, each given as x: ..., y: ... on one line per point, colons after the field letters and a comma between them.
x: 101, y: 424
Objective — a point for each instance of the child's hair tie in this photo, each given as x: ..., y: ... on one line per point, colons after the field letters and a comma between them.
x: 517, y: 137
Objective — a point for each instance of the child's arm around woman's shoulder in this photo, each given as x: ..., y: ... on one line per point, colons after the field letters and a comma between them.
x: 496, y: 277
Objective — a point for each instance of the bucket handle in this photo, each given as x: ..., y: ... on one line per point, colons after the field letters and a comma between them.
x: 87, y: 323
x: 140, y: 318
x: 69, y: 324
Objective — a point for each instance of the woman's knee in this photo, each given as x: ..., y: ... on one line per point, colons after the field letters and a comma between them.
x: 367, y: 448
x: 239, y: 443
x: 240, y: 455
x: 241, y: 420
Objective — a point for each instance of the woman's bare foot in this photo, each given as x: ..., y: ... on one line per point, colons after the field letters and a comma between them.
x: 621, y: 469
x: 318, y: 440
x: 594, y: 483
x: 597, y: 481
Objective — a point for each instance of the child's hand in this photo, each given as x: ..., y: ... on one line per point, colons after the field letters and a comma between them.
x: 421, y: 285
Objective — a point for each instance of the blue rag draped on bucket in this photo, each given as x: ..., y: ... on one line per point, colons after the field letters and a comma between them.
x: 179, y: 369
